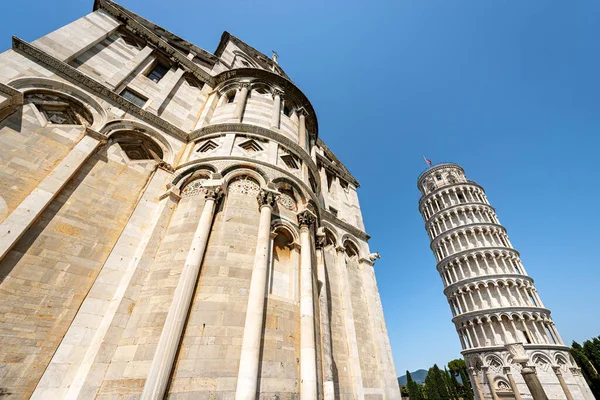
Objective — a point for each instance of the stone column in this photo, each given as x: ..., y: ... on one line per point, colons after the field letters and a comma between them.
x: 302, y: 128
x: 207, y: 110
x: 22, y: 217
x: 513, y: 384
x: 167, y: 84
x: 490, y: 381
x: 562, y: 382
x: 240, y: 101
x: 248, y: 372
x: 476, y: 383
x: 353, y: 357
x: 328, y: 384
x: 308, y: 355
x: 275, y: 118
x: 170, y: 337
x: 517, y: 351
x: 130, y: 67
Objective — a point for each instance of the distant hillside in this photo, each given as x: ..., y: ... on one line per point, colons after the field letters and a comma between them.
x: 418, y: 376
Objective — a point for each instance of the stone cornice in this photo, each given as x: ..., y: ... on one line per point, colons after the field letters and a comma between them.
x: 472, y: 251
x: 445, y: 187
x: 528, y: 346
x: 94, y: 86
x: 449, y: 232
x: 482, y: 279
x: 509, y: 310
x: 329, y: 217
x: 16, y: 97
x: 434, y: 217
x: 211, y: 130
x: 336, y: 170
x: 132, y: 21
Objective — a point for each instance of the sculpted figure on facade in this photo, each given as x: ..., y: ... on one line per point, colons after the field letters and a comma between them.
x: 170, y: 221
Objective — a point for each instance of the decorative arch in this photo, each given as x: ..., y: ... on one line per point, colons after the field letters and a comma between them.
x: 58, y: 108
x: 243, y: 184
x: 284, y: 225
x: 74, y: 93
x: 125, y: 125
x: 299, y: 194
x: 207, y: 168
x: 245, y: 169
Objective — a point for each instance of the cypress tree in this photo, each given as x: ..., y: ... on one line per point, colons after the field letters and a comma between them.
x: 587, y: 368
x: 414, y: 391
x: 451, y: 385
x: 592, y: 352
x: 467, y: 389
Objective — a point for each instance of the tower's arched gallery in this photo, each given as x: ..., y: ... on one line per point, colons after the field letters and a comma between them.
x: 172, y: 226
x: 509, y: 341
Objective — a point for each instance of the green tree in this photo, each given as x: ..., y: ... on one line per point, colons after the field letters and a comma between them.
x: 458, y: 367
x: 435, y: 385
x: 467, y: 390
x: 587, y: 368
x: 414, y: 390
x: 451, y: 385
x: 592, y: 352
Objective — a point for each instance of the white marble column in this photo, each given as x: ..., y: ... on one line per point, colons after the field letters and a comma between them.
x: 130, y: 67
x: 302, y: 140
x: 22, y: 217
x: 513, y: 384
x: 166, y: 85
x: 248, y: 372
x: 562, y: 382
x: 353, y: 357
x: 326, y: 345
x: 168, y: 343
x: 240, y: 101
x: 275, y: 118
x: 475, y: 383
x: 308, y: 354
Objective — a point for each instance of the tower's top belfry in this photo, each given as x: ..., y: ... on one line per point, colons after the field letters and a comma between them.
x: 502, y: 324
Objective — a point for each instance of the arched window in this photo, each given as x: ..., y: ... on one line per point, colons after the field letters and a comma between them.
x: 59, y: 110
x: 283, y: 269
x: 137, y: 146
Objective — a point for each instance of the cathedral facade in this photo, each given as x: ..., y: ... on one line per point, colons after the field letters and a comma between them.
x: 510, y: 344
x: 172, y: 226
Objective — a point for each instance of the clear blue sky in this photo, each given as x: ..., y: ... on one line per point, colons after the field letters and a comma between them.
x: 507, y: 89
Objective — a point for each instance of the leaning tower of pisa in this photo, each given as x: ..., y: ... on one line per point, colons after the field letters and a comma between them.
x: 509, y: 341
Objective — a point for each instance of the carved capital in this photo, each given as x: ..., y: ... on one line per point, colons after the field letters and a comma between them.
x: 213, y: 193
x: 506, y: 370
x: 96, y: 135
x: 277, y: 92
x: 301, y: 112
x: 306, y: 219
x: 556, y: 369
x: 267, y: 198
x: 340, y: 249
x: 244, y: 85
